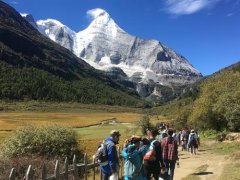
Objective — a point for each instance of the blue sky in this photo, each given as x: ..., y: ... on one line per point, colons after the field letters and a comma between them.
x: 206, y: 32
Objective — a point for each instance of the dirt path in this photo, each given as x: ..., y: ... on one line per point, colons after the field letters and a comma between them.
x: 213, y: 164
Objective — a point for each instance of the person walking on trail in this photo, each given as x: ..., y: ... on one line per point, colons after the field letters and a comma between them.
x: 110, y: 170
x: 169, y: 153
x: 184, y: 140
x: 153, y: 158
x: 133, y: 151
x: 192, y: 142
x: 187, y: 137
x: 198, y: 139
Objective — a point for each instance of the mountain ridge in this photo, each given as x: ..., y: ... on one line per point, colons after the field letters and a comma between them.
x: 104, y: 45
x: 34, y: 67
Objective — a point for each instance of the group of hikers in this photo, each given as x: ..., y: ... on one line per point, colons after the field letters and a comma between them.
x: 145, y: 158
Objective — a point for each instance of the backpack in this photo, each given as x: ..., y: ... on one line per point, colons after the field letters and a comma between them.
x: 101, y: 155
x: 151, y: 153
x: 192, y: 140
x: 184, y: 137
x: 132, y: 165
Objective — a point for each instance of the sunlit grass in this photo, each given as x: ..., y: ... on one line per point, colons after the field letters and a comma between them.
x: 91, y: 137
x: 10, y: 121
x: 14, y: 120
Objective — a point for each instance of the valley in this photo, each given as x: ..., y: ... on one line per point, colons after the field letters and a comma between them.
x: 63, y: 90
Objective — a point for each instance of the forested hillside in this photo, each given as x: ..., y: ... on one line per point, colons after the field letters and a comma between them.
x: 215, y: 103
x: 218, y: 105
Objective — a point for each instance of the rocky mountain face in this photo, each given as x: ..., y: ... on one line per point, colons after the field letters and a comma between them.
x: 34, y: 67
x: 148, y: 64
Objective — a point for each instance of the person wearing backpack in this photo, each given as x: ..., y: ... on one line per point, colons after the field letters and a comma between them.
x: 152, y: 161
x: 110, y: 169
x: 169, y: 153
x: 184, y: 140
x: 133, y: 152
x: 192, y: 142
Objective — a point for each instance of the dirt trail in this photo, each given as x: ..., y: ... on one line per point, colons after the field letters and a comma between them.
x: 189, y: 163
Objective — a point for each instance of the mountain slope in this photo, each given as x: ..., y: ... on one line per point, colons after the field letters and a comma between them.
x: 212, y: 103
x: 104, y: 45
x: 30, y: 62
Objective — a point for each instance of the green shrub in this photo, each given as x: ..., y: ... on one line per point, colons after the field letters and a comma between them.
x: 144, y: 123
x: 209, y: 134
x: 47, y: 141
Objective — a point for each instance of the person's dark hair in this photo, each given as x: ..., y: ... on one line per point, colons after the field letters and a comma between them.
x: 170, y: 132
x: 134, y: 140
x: 154, y: 131
x: 145, y: 141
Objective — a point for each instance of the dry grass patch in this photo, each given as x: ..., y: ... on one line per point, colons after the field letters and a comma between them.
x: 14, y: 120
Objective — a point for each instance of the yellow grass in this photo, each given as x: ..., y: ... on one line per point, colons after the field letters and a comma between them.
x: 10, y: 121
x: 14, y: 120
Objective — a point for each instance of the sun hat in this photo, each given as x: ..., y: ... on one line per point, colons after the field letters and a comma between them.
x: 115, y: 133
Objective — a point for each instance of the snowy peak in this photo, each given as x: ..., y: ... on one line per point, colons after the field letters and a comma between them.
x: 99, y: 16
x: 102, y: 21
x: 30, y: 19
x: 104, y: 45
x: 51, y: 22
x: 57, y: 32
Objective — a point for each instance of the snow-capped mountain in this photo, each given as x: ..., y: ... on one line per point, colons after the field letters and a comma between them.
x: 104, y: 45
x: 31, y: 20
x: 58, y: 32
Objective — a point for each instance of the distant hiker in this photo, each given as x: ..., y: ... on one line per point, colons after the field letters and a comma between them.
x: 184, y: 140
x: 192, y: 142
x: 198, y: 139
x: 169, y: 153
x: 110, y: 170
x: 153, y: 157
x: 133, y: 152
x: 178, y: 137
x: 187, y: 137
x: 162, y: 134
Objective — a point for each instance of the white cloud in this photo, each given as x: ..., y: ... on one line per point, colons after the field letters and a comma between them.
x: 14, y: 2
x: 93, y: 13
x: 180, y: 7
x: 230, y: 14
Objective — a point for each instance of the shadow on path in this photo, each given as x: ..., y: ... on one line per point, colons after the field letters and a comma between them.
x: 202, y: 173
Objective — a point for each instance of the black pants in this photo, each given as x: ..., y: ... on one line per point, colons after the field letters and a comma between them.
x: 151, y: 168
x: 170, y: 165
x: 104, y: 176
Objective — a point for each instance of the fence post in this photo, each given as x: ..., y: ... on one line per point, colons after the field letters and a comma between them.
x: 75, y: 171
x: 30, y: 173
x: 12, y: 174
x: 66, y: 169
x: 120, y: 167
x: 85, y: 166
x: 56, y: 170
x: 43, y: 172
x: 94, y: 169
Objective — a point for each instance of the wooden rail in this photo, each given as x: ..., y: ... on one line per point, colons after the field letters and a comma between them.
x: 74, y: 171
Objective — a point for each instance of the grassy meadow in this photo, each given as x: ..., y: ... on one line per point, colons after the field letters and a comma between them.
x: 78, y: 116
x: 14, y: 120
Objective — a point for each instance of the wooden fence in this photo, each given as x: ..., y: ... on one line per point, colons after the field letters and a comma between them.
x: 72, y: 171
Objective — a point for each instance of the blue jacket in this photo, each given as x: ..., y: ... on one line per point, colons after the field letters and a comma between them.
x: 112, y: 156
